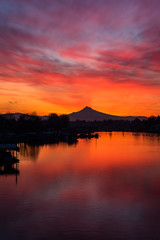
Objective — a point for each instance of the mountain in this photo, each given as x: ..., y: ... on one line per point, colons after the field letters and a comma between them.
x: 89, y: 114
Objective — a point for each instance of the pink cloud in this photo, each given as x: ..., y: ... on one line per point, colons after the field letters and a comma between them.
x: 86, y: 43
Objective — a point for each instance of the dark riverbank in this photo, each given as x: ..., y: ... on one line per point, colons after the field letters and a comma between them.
x: 151, y: 125
x: 33, y: 129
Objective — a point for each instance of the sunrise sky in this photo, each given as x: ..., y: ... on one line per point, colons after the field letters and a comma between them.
x: 61, y: 55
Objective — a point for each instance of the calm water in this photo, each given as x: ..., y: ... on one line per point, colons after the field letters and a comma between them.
x: 106, y: 188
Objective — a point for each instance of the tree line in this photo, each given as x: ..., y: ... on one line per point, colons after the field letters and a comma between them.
x: 54, y: 122
x: 151, y: 125
x: 33, y: 123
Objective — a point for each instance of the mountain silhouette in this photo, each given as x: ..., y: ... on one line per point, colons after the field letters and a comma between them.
x: 89, y: 114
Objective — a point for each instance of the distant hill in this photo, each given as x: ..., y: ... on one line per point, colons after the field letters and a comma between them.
x: 89, y: 114
x: 15, y: 116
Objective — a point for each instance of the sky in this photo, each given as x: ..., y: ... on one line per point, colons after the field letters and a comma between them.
x: 61, y: 55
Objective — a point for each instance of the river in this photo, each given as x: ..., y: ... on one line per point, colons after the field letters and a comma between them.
x: 105, y: 188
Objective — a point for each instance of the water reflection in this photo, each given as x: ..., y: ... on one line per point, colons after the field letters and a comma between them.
x: 9, y: 168
x: 99, y: 189
x: 29, y: 151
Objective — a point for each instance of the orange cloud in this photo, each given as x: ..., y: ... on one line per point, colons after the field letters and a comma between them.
x: 105, y: 55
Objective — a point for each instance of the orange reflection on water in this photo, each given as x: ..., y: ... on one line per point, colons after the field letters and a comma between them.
x: 96, y: 186
x: 110, y: 150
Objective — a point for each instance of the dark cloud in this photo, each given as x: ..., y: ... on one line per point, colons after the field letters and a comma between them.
x: 11, y: 102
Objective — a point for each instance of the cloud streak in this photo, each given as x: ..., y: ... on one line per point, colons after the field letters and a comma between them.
x: 64, y: 43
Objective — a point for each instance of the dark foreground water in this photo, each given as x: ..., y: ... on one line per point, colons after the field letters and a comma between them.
x: 106, y: 188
